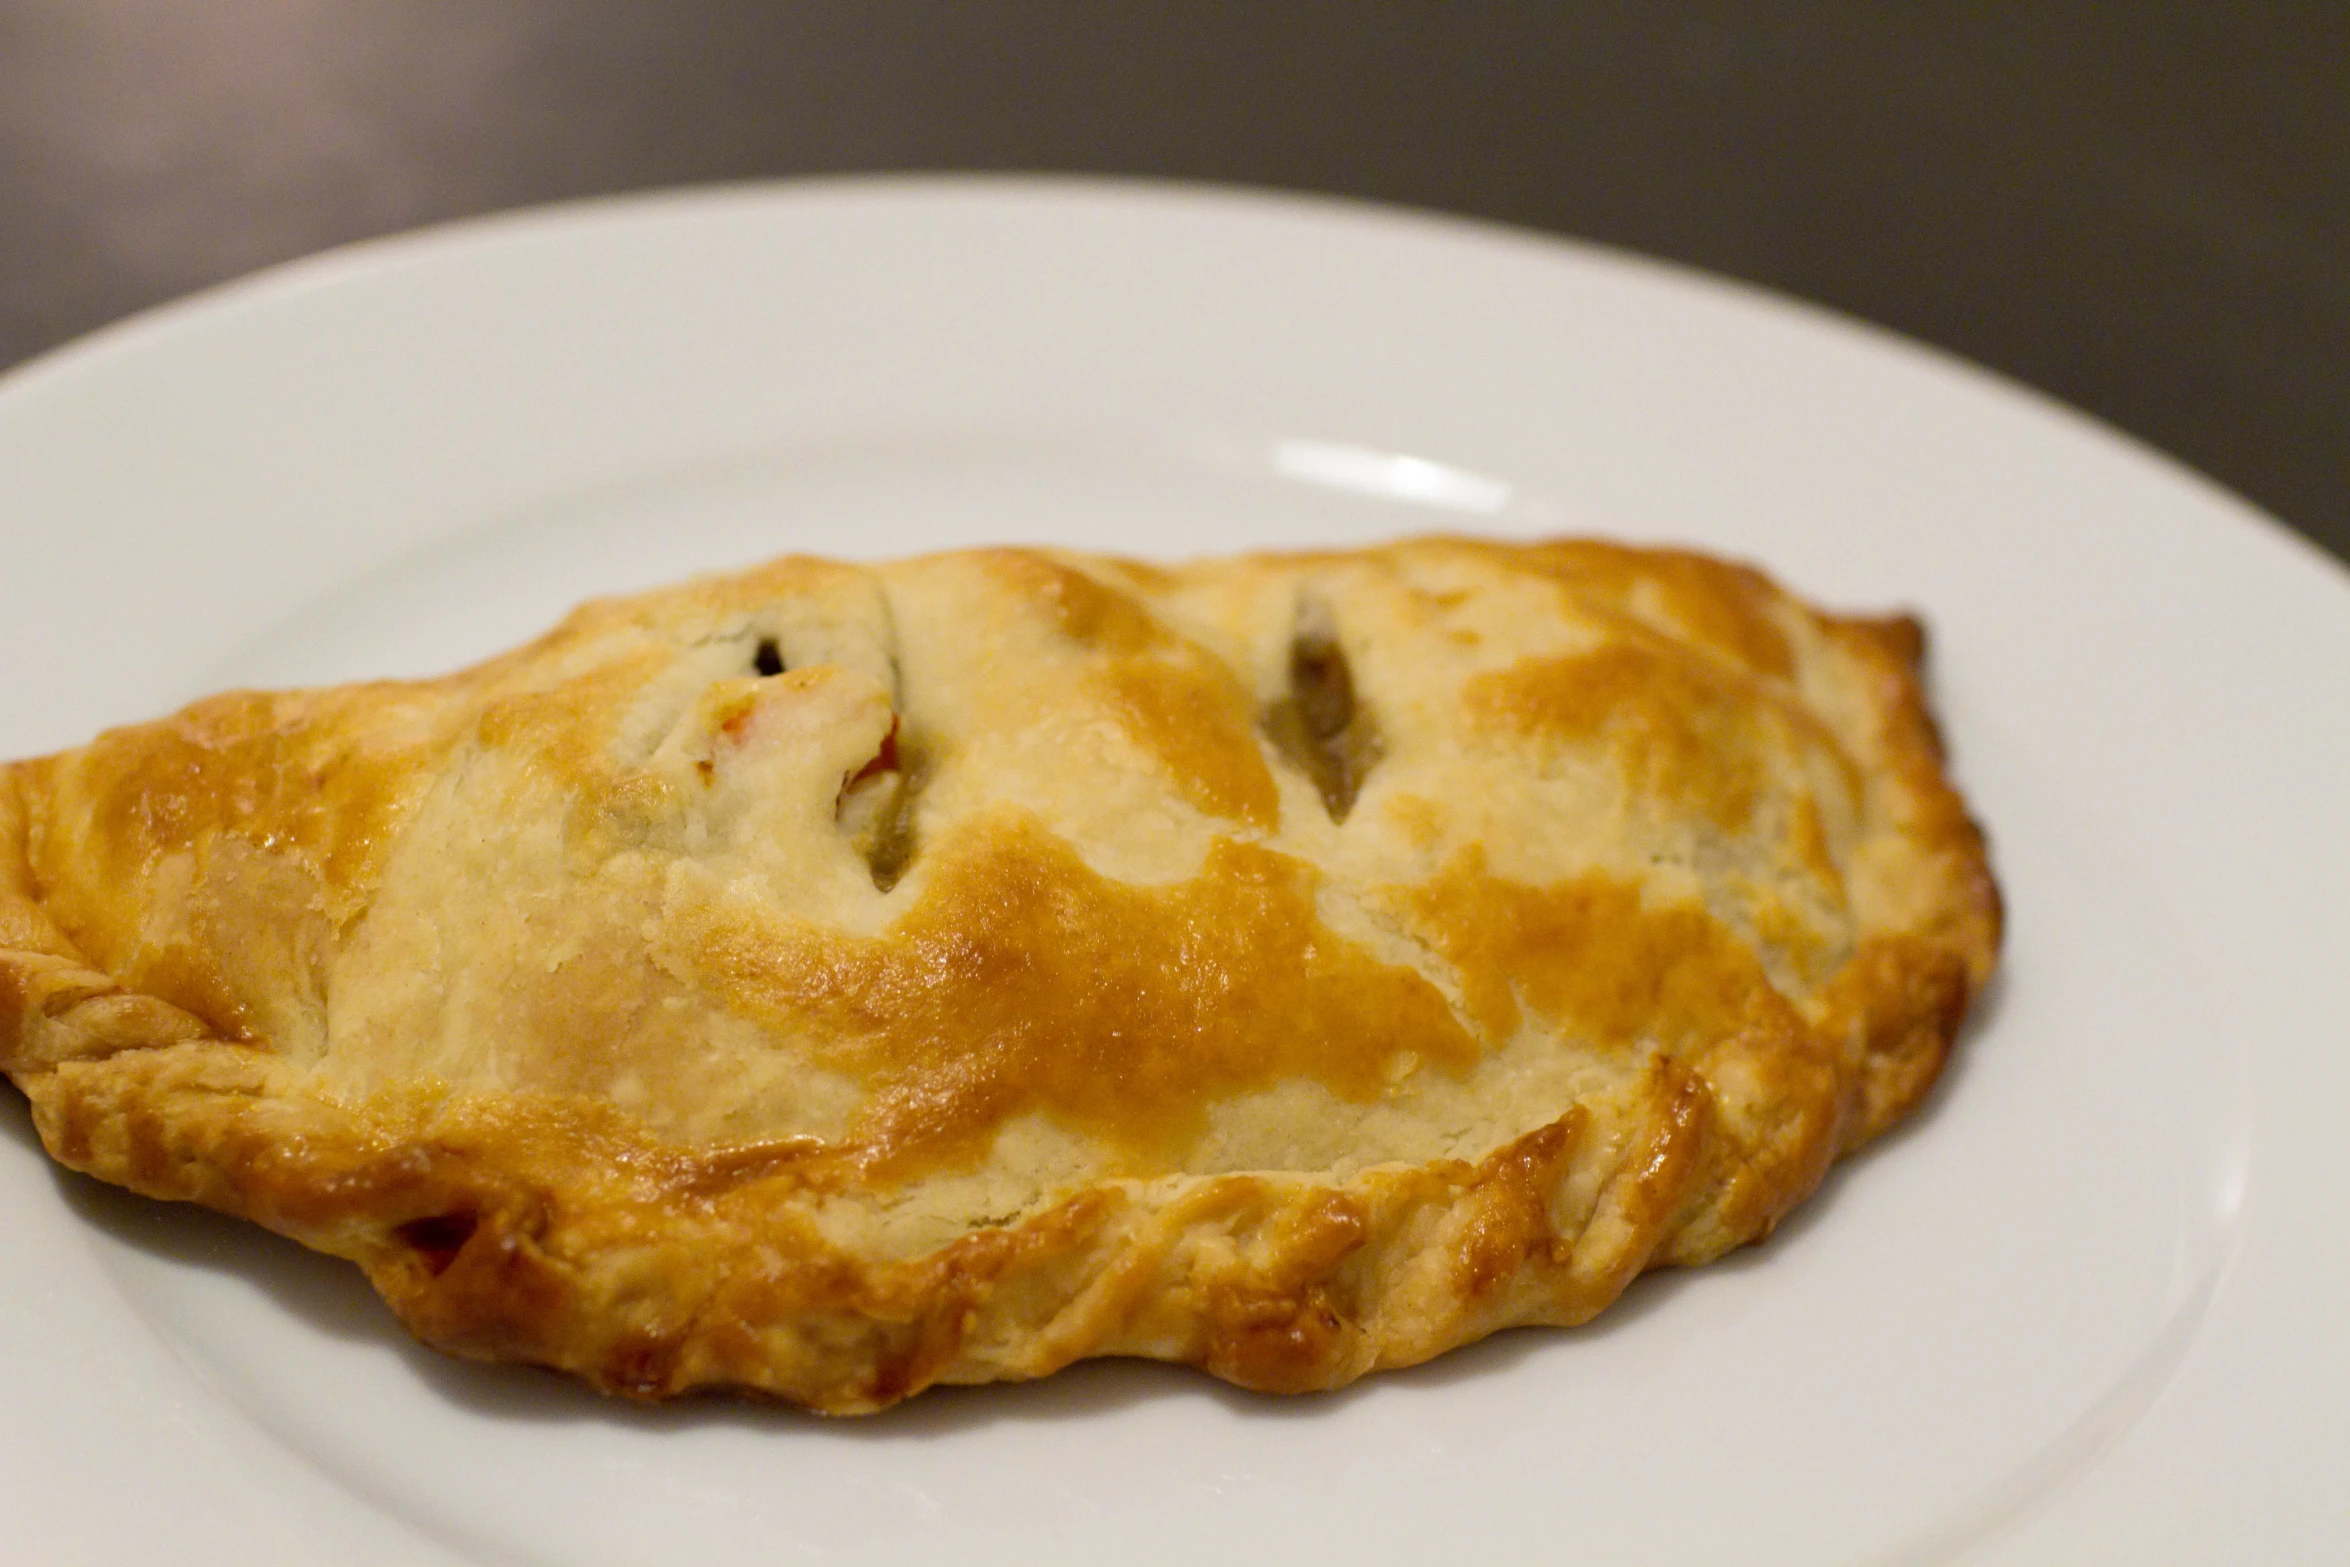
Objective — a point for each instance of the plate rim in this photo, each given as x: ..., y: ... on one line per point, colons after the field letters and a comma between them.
x: 353, y: 262
x: 353, y: 266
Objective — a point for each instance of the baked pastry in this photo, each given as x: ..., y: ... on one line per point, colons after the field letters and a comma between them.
x: 830, y: 980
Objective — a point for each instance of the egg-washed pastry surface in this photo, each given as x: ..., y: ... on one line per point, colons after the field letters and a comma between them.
x: 833, y: 980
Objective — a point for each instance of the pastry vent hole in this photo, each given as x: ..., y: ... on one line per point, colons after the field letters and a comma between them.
x: 876, y: 810
x: 767, y: 660
x: 1319, y: 724
x: 438, y: 1238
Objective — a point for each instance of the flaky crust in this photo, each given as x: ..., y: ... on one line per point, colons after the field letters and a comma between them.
x: 831, y: 981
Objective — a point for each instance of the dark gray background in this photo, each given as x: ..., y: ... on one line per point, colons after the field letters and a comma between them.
x: 2144, y: 209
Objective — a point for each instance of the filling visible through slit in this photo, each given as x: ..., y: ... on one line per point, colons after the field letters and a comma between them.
x: 876, y: 809
x: 1318, y: 725
x: 877, y: 814
x: 768, y: 660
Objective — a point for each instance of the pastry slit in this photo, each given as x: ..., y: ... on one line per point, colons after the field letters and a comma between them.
x: 876, y: 806
x: 1319, y: 724
x: 888, y: 840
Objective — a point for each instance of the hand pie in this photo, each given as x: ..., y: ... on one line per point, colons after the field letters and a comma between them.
x: 834, y: 980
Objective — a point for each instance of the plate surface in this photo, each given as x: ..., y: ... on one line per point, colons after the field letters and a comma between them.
x: 2086, y: 1307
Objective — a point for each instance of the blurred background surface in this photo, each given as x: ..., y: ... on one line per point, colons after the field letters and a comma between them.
x: 2144, y: 210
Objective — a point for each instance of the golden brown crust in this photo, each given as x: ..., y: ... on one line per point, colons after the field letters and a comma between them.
x: 831, y: 981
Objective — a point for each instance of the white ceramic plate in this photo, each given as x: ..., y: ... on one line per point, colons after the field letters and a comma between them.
x: 2088, y: 1307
